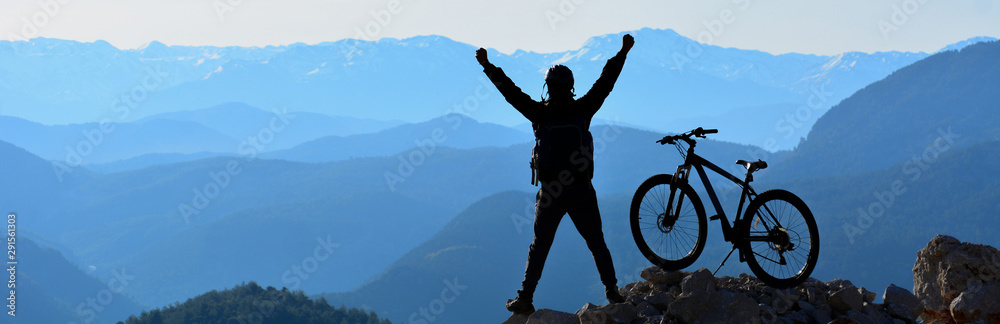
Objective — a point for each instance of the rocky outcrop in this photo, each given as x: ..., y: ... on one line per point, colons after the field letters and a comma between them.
x: 546, y: 316
x: 699, y: 297
x: 957, y: 282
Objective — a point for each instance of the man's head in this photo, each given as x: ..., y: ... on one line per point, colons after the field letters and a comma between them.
x: 559, y: 80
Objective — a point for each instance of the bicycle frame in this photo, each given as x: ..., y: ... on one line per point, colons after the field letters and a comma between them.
x: 768, y: 244
x: 700, y: 163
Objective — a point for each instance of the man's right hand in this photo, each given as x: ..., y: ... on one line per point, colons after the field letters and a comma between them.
x: 481, y: 56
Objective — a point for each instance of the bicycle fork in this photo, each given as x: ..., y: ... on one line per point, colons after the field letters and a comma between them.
x: 672, y: 213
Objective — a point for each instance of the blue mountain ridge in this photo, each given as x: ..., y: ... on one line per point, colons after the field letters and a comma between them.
x: 374, y: 79
x: 131, y: 218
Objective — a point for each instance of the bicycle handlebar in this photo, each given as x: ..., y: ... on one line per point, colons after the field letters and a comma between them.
x: 697, y: 132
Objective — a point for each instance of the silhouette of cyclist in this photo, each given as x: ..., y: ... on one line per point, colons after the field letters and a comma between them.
x: 563, y: 161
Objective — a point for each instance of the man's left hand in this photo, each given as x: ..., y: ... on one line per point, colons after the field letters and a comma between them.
x: 627, y: 42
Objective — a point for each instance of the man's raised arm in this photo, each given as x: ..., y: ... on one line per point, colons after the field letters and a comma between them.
x: 517, y: 98
x: 606, y: 82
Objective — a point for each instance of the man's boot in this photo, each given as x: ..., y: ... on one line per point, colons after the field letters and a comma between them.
x: 521, y: 304
x: 613, y: 296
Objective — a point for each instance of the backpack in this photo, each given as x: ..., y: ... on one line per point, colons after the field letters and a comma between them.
x: 568, y: 145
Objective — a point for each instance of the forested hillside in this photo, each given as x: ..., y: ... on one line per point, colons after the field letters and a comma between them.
x: 949, y: 96
x: 250, y: 303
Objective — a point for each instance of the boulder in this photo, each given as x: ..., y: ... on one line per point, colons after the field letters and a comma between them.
x: 843, y: 320
x: 783, y: 300
x: 611, y: 314
x: 812, y: 283
x: 658, y: 276
x: 846, y: 299
x: 816, y: 296
x: 799, y: 317
x: 516, y: 319
x: 822, y: 314
x: 901, y: 311
x: 979, y: 302
x: 806, y: 306
x: 837, y: 284
x: 626, y: 290
x: 661, y: 301
x: 646, y: 309
x: 767, y: 314
x: 945, y: 269
x: 639, y: 289
x: 668, y: 320
x: 699, y: 282
x: 867, y: 296
x: 876, y: 313
x: 715, y: 307
x: 651, y: 320
x: 861, y: 317
x: 901, y: 303
x: 548, y: 316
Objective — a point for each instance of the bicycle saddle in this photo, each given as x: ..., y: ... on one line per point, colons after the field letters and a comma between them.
x: 753, y: 166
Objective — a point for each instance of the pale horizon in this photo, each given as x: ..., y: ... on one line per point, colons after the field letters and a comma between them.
x: 140, y: 46
x: 820, y: 28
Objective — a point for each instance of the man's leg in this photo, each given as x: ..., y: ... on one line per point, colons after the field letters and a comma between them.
x: 548, y: 214
x: 587, y: 218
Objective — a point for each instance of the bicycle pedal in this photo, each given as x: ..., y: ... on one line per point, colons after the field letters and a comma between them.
x: 714, y: 217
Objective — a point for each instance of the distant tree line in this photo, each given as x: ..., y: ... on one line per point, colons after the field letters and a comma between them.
x: 249, y: 303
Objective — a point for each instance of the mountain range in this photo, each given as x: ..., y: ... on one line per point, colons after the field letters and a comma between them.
x: 914, y: 108
x: 51, y: 289
x: 228, y: 128
x: 663, y: 85
x: 387, y: 223
x: 134, y: 218
x: 452, y: 130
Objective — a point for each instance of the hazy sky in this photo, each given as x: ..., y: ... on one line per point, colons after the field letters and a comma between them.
x: 804, y: 26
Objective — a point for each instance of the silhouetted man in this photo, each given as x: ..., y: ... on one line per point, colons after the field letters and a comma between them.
x: 563, y: 159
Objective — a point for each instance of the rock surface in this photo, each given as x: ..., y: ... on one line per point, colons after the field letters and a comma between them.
x: 957, y: 282
x: 700, y: 297
x: 544, y: 316
x: 901, y: 303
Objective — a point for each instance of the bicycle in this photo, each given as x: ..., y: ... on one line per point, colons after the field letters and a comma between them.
x: 669, y: 225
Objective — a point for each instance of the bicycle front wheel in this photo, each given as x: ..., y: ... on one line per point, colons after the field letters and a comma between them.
x: 668, y: 222
x: 781, y: 241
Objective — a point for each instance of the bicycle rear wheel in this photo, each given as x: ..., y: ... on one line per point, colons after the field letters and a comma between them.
x: 672, y: 239
x: 781, y: 241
